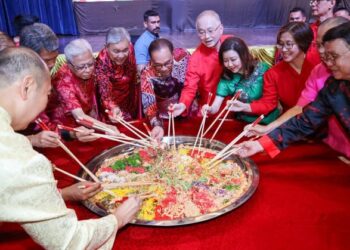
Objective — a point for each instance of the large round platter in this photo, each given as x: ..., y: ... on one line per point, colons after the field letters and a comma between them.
x: 246, y: 164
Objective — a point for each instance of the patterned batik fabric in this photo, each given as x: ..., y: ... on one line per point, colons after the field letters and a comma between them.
x: 333, y: 99
x: 117, y: 85
x: 71, y: 92
x: 159, y: 92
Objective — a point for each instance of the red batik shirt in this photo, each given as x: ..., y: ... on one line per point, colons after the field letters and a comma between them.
x: 117, y: 85
x: 71, y: 92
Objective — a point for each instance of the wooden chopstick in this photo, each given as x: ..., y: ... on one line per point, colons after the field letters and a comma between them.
x: 61, y: 144
x: 235, y: 140
x: 235, y: 97
x: 127, y: 184
x: 68, y: 174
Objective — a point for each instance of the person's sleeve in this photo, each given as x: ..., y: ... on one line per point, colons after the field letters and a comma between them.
x: 269, y: 146
x: 104, y: 86
x: 68, y: 96
x: 149, y: 101
x: 191, y: 83
x: 254, y: 90
x: 222, y: 89
x: 314, y: 116
x: 30, y: 198
x: 269, y: 99
x: 141, y: 52
x: 310, y: 91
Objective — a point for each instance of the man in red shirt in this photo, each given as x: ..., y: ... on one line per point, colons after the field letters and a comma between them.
x: 204, y: 70
x: 321, y: 11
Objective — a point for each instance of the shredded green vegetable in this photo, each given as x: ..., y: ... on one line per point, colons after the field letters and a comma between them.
x: 133, y: 160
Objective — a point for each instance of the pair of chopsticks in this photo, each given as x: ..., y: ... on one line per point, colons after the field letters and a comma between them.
x: 122, y: 138
x: 200, y: 133
x: 61, y: 144
x: 143, y: 137
x: 107, y: 186
x: 171, y: 125
x: 229, y: 149
x: 235, y: 97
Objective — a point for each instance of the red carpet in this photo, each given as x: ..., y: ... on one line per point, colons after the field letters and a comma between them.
x: 302, y: 202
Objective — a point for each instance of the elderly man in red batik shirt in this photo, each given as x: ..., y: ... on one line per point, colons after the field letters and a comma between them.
x: 74, y: 87
x: 204, y: 69
x: 116, y: 76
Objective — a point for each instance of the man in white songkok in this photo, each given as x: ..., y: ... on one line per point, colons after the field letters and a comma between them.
x: 28, y: 192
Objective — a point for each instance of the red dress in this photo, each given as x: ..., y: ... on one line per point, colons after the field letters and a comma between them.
x: 282, y: 83
x: 203, y: 75
x: 71, y: 92
x: 117, y: 85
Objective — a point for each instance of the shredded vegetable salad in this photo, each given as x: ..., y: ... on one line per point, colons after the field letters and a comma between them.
x: 175, y: 183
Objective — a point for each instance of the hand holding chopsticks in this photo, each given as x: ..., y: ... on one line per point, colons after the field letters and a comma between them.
x: 235, y: 97
x: 223, y: 152
x: 60, y: 143
x: 130, y: 127
x: 200, y: 133
x: 98, y: 126
x: 171, y: 125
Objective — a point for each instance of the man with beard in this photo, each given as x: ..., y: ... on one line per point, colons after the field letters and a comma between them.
x: 152, y: 24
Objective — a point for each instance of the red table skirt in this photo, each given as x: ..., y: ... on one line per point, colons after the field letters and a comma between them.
x: 302, y: 202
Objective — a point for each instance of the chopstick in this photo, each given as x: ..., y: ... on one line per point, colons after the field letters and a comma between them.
x: 201, y: 128
x: 122, y: 139
x: 91, y: 124
x: 60, y: 143
x: 235, y: 140
x: 129, y: 126
x: 235, y: 97
x: 127, y: 184
x: 171, y: 125
x: 68, y: 174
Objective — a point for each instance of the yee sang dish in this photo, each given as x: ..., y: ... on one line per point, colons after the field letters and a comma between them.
x: 173, y: 183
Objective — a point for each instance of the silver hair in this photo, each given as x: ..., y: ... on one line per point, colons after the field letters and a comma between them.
x: 39, y: 36
x: 116, y: 35
x: 76, y: 48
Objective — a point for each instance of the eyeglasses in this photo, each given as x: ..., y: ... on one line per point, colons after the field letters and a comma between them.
x: 83, y: 66
x: 332, y: 57
x: 287, y: 45
x: 316, y: 1
x: 159, y: 66
x: 210, y: 32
